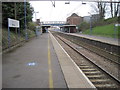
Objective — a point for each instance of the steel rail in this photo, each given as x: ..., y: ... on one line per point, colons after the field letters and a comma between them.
x: 113, y: 77
x: 102, y: 55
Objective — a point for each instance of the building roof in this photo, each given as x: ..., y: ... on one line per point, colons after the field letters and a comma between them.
x: 74, y: 15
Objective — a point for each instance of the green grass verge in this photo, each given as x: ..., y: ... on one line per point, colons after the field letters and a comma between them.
x: 14, y: 39
x: 107, y: 31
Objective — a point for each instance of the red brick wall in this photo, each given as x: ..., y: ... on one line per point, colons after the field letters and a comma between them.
x: 74, y: 20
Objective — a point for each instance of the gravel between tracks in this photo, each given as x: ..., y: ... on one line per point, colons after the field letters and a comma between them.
x: 109, y: 66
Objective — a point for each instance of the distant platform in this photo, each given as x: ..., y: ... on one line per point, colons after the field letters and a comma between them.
x: 113, y: 41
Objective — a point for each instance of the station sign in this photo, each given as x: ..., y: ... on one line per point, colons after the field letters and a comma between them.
x: 13, y: 23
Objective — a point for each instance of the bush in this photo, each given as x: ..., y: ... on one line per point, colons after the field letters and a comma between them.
x: 31, y: 25
x: 105, y: 22
x: 14, y: 39
x: 83, y: 26
x: 111, y: 20
x: 30, y: 33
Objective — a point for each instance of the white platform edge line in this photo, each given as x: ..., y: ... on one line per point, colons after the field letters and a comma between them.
x: 74, y: 63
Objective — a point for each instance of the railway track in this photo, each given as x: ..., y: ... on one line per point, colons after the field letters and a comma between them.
x: 97, y: 75
x: 103, y: 53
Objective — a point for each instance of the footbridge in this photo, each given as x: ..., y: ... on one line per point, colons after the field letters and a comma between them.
x: 54, y: 23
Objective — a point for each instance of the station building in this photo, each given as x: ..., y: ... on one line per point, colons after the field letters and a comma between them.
x: 72, y: 22
x: 74, y: 19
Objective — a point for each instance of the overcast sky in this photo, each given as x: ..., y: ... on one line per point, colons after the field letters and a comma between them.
x: 61, y: 10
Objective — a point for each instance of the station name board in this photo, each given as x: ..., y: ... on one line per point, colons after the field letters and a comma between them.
x: 13, y: 23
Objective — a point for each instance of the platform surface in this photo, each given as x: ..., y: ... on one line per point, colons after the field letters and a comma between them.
x: 33, y: 65
x: 113, y: 41
x: 42, y: 63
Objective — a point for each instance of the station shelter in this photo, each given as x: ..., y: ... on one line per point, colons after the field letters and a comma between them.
x: 68, y: 28
x: 45, y: 28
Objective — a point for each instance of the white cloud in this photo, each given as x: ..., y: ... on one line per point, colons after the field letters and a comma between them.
x: 61, y: 10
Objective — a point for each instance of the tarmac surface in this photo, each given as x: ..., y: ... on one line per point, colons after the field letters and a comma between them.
x: 33, y: 65
x: 42, y: 63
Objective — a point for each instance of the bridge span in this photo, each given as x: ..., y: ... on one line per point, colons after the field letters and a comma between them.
x: 54, y: 23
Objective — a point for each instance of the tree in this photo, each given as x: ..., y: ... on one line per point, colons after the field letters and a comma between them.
x: 102, y: 8
x: 117, y: 7
x: 111, y: 6
x: 99, y: 8
x: 114, y: 8
x: 8, y: 11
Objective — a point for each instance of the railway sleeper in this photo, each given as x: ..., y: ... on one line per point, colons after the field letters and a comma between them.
x: 85, y: 66
x: 88, y: 69
x: 93, y: 73
x: 101, y: 81
x: 106, y: 85
x: 96, y: 76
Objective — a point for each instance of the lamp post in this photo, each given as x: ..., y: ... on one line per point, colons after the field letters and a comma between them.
x: 90, y: 23
x: 90, y: 19
x: 26, y: 36
x: 15, y: 14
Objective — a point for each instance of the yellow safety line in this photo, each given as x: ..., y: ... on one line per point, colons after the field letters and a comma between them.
x: 49, y: 66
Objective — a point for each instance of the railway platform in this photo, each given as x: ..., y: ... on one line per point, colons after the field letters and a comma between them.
x: 112, y: 41
x: 42, y: 63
